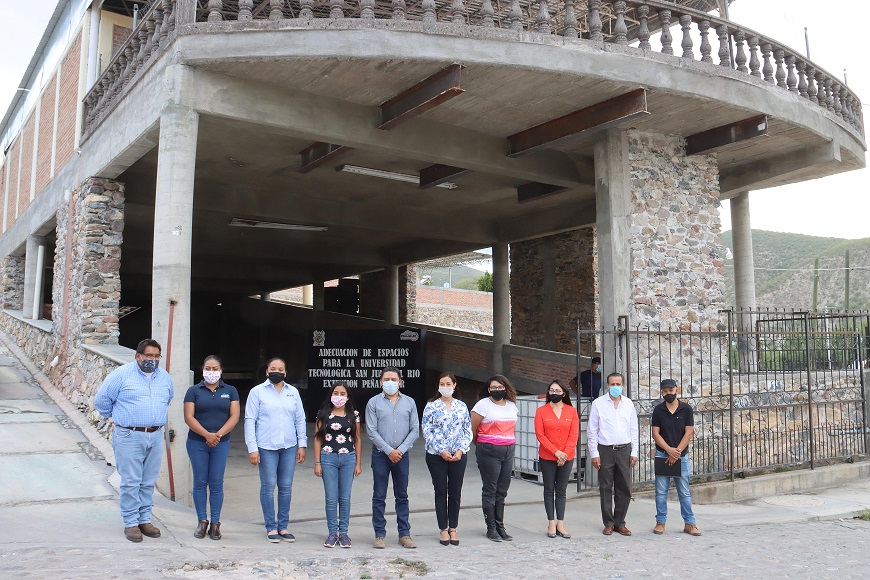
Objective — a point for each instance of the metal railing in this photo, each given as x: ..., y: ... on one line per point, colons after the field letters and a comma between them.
x: 771, y: 389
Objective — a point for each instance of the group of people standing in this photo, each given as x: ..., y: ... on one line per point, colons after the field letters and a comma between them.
x: 137, y: 396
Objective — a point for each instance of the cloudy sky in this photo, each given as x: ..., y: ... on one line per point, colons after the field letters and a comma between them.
x: 837, y: 206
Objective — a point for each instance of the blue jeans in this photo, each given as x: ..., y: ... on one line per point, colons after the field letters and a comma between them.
x: 663, y: 482
x: 137, y: 457
x: 382, y: 468
x: 337, y: 481
x: 209, y: 464
x: 276, y: 469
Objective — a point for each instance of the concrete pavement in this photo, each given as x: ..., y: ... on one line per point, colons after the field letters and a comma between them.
x: 59, y: 518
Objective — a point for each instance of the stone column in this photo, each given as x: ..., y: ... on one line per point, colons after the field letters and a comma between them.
x: 30, y: 273
x: 408, y: 294
x: 170, y: 287
x: 501, y: 304
x: 744, y: 281
x: 12, y: 283
x: 391, y: 307
x: 612, y: 208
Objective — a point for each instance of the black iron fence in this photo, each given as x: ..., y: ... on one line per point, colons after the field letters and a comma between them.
x: 770, y: 389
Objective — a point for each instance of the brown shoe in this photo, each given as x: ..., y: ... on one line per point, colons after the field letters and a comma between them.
x: 608, y: 530
x: 214, y: 531
x: 133, y: 534
x: 622, y: 530
x: 692, y: 530
x: 201, y: 527
x: 407, y: 542
x: 150, y: 530
x: 659, y: 529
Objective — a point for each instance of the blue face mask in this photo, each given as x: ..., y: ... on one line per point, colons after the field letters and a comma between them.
x: 615, y: 391
x: 597, y: 368
x: 390, y: 387
x: 148, y: 365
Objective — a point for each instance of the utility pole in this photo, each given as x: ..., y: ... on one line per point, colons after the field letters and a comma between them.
x: 816, y: 286
x: 848, y: 270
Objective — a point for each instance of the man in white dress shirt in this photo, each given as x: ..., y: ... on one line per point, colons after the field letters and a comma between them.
x: 613, y: 443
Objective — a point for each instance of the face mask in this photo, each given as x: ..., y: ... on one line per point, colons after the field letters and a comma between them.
x: 275, y: 378
x: 498, y: 395
x: 148, y: 365
x: 670, y: 398
x: 338, y: 400
x: 390, y: 387
x: 553, y: 398
x: 211, y: 377
x: 615, y: 391
x: 446, y: 391
x: 597, y: 368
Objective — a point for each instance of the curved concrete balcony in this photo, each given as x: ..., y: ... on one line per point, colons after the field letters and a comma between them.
x: 514, y: 92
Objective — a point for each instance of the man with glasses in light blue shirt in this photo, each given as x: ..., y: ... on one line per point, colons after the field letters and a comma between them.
x: 136, y: 397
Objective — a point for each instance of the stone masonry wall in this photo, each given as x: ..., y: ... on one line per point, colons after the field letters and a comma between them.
x: 87, y: 313
x: 38, y: 344
x: 471, y: 319
x: 12, y: 282
x: 575, y: 289
x: 676, y: 243
x: 407, y: 293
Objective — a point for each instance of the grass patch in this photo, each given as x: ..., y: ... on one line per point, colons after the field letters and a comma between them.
x: 416, y: 566
x: 863, y: 515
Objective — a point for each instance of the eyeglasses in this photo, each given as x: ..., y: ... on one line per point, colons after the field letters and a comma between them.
x: 560, y: 393
x: 151, y: 356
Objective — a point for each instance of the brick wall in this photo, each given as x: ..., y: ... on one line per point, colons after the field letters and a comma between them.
x: 12, y: 164
x: 68, y: 105
x: 26, y: 164
x: 457, y: 353
x: 119, y: 37
x: 46, y: 135
x: 540, y: 370
x: 453, y: 297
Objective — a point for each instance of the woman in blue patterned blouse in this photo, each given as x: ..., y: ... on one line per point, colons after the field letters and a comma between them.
x: 447, y: 430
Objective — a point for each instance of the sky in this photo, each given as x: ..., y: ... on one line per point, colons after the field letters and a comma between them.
x: 836, y: 206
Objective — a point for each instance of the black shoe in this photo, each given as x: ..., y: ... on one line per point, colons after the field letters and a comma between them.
x: 489, y: 518
x: 452, y: 542
x: 444, y: 542
x: 201, y: 528
x: 499, y: 523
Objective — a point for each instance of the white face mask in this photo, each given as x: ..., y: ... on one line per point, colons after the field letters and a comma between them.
x: 390, y: 387
x: 211, y: 377
x: 446, y: 391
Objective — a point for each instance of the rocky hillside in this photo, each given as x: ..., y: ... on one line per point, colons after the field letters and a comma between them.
x: 784, y: 270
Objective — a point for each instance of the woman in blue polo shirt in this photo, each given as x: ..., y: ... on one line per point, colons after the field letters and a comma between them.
x: 211, y: 410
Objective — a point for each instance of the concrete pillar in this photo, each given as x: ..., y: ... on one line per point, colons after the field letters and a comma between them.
x: 501, y: 304
x: 308, y: 295
x: 31, y: 258
x: 612, y: 209
x: 94, y: 43
x: 318, y: 297
x: 173, y: 225
x: 391, y: 307
x: 744, y: 281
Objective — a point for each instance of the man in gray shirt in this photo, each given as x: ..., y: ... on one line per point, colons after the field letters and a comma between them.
x: 393, y: 425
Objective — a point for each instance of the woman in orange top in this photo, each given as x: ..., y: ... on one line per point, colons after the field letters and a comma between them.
x: 557, y: 428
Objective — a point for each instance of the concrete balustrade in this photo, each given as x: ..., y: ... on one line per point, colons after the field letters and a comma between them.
x: 632, y: 23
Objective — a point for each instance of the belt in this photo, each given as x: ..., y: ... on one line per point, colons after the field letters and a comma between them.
x: 615, y: 447
x: 143, y: 429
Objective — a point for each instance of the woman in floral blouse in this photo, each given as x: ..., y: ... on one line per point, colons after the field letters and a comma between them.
x: 337, y: 459
x: 447, y: 430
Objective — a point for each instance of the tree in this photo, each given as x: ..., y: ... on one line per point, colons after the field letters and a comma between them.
x: 484, y: 283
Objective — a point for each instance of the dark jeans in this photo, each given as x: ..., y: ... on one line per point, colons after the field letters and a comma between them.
x: 447, y: 481
x: 614, y: 483
x: 208, y: 464
x: 555, y: 486
x: 495, y: 463
x: 382, y: 468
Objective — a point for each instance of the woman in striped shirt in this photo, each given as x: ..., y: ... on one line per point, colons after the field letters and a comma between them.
x: 493, y: 420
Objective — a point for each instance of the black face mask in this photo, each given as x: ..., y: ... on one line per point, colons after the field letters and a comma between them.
x: 275, y: 378
x: 497, y: 395
x: 553, y: 398
x: 670, y: 397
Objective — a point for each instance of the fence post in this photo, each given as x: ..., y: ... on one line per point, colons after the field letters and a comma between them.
x: 580, y: 463
x: 731, y: 392
x: 809, y: 390
x: 863, y: 391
